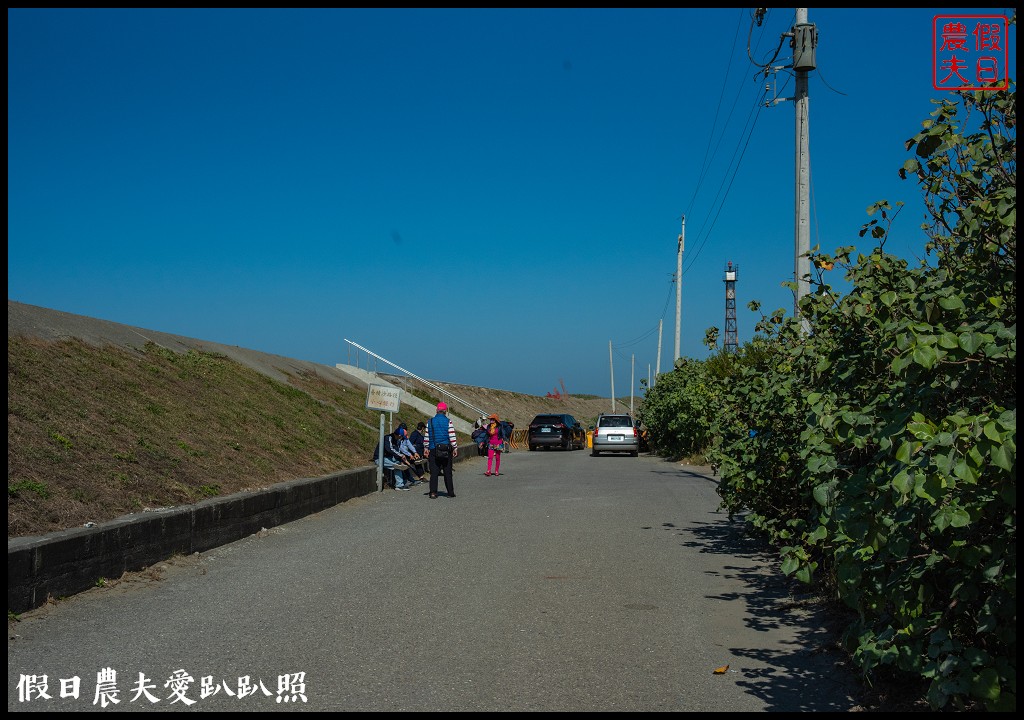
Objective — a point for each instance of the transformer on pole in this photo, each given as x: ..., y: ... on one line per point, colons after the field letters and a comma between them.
x: 731, y: 337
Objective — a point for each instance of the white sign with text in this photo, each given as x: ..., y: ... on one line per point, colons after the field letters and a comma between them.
x: 384, y: 398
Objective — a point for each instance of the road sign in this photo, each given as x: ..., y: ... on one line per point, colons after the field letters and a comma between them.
x: 384, y: 398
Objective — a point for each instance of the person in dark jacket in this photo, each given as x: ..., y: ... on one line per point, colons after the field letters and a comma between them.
x: 393, y: 460
x: 416, y: 437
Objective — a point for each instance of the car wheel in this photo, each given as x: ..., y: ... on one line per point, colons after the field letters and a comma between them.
x: 594, y: 453
x: 635, y: 453
x: 532, y: 448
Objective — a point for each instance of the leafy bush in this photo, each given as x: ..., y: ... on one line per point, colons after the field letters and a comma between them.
x: 878, y: 450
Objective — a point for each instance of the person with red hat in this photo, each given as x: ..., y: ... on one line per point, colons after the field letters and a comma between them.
x: 441, y: 447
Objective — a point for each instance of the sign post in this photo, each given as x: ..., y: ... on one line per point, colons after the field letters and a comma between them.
x: 386, y: 399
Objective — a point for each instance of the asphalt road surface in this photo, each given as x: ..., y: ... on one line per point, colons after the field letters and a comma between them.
x: 568, y: 583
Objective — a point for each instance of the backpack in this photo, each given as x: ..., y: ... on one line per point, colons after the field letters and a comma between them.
x: 505, y: 430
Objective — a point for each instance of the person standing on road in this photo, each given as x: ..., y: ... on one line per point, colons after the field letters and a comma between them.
x: 441, y: 447
x: 495, y: 444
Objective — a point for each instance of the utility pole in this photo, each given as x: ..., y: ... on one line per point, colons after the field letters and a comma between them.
x: 804, y: 43
x: 611, y: 367
x: 679, y: 286
x: 632, y: 378
x: 657, y: 363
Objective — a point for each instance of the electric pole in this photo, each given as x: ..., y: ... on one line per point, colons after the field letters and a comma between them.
x: 611, y: 367
x: 632, y: 379
x: 657, y: 363
x: 804, y: 43
x: 679, y: 286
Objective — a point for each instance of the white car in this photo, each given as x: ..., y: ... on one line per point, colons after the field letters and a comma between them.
x: 615, y: 432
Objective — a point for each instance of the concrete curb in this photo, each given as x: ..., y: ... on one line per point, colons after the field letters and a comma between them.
x: 71, y: 561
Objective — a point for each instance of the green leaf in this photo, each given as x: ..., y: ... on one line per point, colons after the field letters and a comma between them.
x: 922, y: 430
x: 1002, y: 457
x: 986, y: 684
x: 924, y: 355
x: 959, y: 518
x: 971, y: 341
x: 928, y: 487
x: 819, y: 534
x: 928, y: 145
x: 966, y: 472
x: 951, y: 302
x: 991, y: 431
x: 888, y: 298
x: 825, y: 493
x: 789, y: 565
x: 903, y: 483
x: 905, y: 451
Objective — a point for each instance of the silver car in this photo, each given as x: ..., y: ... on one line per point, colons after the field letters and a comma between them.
x: 615, y: 432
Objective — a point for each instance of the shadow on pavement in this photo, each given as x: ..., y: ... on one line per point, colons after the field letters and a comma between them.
x: 812, y: 674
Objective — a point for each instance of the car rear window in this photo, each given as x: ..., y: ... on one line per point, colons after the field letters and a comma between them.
x: 616, y: 421
x: 548, y: 420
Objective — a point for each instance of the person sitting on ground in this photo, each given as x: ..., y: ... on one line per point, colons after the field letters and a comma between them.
x: 393, y: 460
x: 416, y: 437
x: 410, y: 457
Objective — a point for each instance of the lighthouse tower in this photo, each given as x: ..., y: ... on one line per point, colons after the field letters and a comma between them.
x: 731, y: 339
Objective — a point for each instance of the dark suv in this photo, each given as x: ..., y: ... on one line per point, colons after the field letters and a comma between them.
x: 615, y: 433
x: 556, y: 430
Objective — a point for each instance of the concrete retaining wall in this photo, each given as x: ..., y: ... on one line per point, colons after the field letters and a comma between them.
x: 71, y: 561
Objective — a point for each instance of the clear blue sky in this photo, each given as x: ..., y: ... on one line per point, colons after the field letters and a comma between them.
x: 485, y: 197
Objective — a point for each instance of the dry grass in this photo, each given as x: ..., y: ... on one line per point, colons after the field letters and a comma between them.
x: 96, y: 433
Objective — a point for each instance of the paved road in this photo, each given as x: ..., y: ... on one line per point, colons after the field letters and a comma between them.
x: 569, y: 583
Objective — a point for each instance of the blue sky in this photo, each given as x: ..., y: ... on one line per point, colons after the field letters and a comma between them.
x: 487, y: 197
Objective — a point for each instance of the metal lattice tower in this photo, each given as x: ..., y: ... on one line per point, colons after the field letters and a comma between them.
x: 732, y: 272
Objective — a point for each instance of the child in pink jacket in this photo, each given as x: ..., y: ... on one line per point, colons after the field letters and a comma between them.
x: 494, y: 445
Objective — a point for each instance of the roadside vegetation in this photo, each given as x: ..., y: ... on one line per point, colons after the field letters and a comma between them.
x: 877, y: 451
